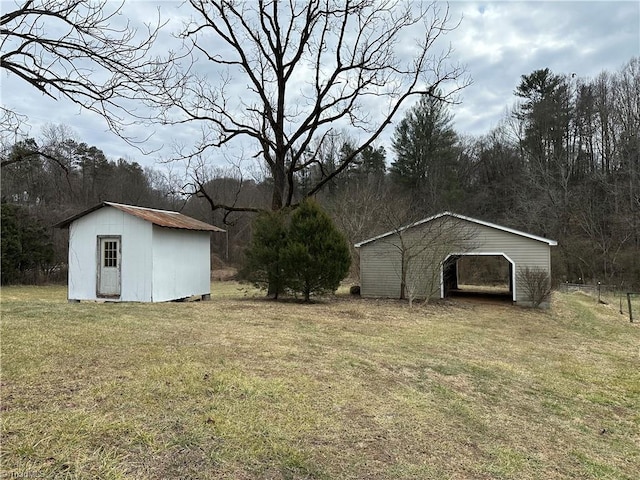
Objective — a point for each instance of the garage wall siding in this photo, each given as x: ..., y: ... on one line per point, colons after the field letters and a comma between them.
x: 380, y: 259
x: 380, y: 270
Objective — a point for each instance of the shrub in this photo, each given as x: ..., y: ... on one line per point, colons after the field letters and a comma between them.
x: 263, y: 264
x: 536, y: 284
x: 317, y: 256
x: 303, y: 253
x: 26, y: 246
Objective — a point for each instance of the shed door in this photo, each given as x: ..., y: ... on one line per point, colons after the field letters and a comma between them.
x: 109, y: 267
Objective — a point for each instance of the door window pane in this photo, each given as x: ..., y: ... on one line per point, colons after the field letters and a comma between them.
x: 110, y: 254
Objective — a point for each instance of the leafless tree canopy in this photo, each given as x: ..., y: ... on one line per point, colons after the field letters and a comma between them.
x: 80, y: 50
x: 290, y: 72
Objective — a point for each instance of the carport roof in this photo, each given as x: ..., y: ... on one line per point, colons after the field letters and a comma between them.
x: 461, y: 217
x: 161, y: 218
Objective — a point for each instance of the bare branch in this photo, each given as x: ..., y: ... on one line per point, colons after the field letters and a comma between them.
x: 85, y: 52
x: 296, y: 70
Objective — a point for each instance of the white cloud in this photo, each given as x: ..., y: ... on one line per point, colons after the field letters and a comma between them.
x: 498, y: 41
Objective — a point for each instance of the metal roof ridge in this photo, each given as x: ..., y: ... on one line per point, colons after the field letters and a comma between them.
x: 116, y: 204
x: 461, y: 217
x: 152, y: 215
x: 506, y: 229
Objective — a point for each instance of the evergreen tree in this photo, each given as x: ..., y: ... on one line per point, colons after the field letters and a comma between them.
x: 373, y: 162
x: 304, y: 253
x: 263, y: 265
x: 425, y: 146
x: 545, y: 116
x: 23, y: 174
x: 369, y: 164
x: 316, y: 257
x: 26, y: 247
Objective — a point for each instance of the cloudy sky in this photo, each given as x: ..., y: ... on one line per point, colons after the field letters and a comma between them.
x: 497, y: 41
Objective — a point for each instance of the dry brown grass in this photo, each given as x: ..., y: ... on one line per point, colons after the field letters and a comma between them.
x: 344, y: 388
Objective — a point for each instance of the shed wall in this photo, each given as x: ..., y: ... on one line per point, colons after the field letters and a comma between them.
x: 135, y: 254
x: 181, y: 263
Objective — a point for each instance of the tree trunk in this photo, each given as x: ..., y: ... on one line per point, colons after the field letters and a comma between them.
x: 273, y: 290
x: 277, y: 197
x: 279, y: 181
x: 403, y: 275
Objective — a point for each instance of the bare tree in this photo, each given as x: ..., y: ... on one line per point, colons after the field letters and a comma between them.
x: 79, y: 50
x: 536, y: 285
x: 422, y: 247
x: 291, y: 72
x: 356, y: 210
x: 203, y: 182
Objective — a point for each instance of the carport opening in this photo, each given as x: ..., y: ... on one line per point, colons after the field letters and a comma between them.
x: 488, y: 277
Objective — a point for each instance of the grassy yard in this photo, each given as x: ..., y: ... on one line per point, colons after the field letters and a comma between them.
x: 244, y: 388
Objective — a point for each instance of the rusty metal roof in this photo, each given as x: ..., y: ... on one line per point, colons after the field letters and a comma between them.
x: 161, y: 218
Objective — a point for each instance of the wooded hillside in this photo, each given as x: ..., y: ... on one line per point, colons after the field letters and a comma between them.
x: 564, y: 164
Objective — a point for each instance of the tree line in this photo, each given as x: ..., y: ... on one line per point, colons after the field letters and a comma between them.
x: 563, y: 163
x: 47, y: 180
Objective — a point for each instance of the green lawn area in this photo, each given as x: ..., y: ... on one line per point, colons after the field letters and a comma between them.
x: 344, y: 388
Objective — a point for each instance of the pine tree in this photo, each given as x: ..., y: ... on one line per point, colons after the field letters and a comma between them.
x: 26, y: 247
x: 316, y: 257
x: 263, y: 265
x: 425, y: 146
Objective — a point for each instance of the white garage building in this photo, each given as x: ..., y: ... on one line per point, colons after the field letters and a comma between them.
x: 125, y: 253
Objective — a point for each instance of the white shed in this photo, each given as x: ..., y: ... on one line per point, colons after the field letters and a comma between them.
x: 125, y: 253
x: 426, y: 253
